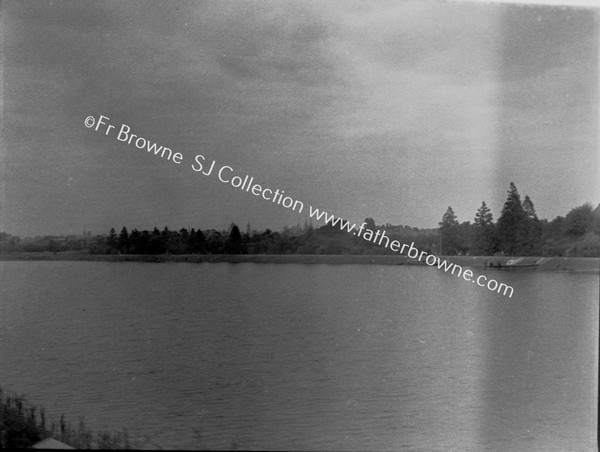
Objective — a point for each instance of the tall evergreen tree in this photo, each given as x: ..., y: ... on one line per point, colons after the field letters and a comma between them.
x: 370, y: 224
x: 483, y: 235
x: 123, y: 241
x: 179, y: 242
x: 135, y: 242
x: 531, y: 245
x: 235, y: 234
x: 449, y: 232
x: 512, y: 224
x: 196, y: 242
x: 156, y: 242
x: 484, y: 216
x: 112, y: 242
x: 234, y: 240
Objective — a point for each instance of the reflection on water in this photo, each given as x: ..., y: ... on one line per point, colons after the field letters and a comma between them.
x: 319, y: 357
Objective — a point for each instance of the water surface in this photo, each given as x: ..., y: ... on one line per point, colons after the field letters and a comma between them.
x: 317, y: 357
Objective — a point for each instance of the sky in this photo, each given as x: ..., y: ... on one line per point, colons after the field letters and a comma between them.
x: 384, y: 109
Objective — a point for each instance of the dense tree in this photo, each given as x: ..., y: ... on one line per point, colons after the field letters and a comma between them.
x: 596, y: 220
x: 370, y: 224
x: 449, y: 233
x: 215, y: 243
x: 518, y: 231
x: 512, y: 224
x: 531, y: 244
x: 178, y: 241
x: 112, y: 242
x: 464, y: 235
x: 484, y: 240
x: 134, y: 241
x: 233, y: 243
x: 484, y: 217
x: 123, y: 241
x: 157, y: 243
x: 579, y: 220
x: 196, y: 242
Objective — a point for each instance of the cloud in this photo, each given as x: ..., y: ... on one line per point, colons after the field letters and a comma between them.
x: 359, y: 107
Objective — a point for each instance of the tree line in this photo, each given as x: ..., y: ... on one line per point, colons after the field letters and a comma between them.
x: 517, y: 232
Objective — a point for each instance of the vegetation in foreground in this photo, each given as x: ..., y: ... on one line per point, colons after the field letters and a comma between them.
x: 22, y: 425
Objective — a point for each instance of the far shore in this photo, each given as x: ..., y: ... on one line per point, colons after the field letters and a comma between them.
x: 576, y: 264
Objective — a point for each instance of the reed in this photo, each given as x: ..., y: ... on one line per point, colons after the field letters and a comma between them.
x: 22, y: 425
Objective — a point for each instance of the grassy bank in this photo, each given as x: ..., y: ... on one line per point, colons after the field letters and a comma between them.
x: 22, y: 425
x: 578, y: 264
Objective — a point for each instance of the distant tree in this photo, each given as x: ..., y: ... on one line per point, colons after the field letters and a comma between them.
x: 529, y: 208
x: 235, y: 234
x: 532, y: 240
x: 484, y: 216
x: 53, y: 246
x: 552, y: 232
x: 232, y: 245
x: 370, y: 224
x: 145, y: 243
x: 555, y: 227
x: 200, y: 241
x: 167, y: 239
x: 579, y: 220
x: 285, y: 244
x: 179, y: 241
x: 196, y: 242
x: 9, y: 242
x: 449, y: 233
x: 330, y: 229
x: 215, y: 243
x: 512, y: 224
x: 135, y: 242
x: 483, y: 232
x: 123, y: 241
x: 586, y: 246
x: 112, y: 245
x: 156, y: 243
x: 464, y: 235
x: 596, y: 220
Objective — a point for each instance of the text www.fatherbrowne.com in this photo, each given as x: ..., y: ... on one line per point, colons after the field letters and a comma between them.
x: 379, y: 237
x: 247, y: 184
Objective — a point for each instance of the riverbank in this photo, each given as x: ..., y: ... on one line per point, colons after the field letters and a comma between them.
x: 577, y: 264
x: 24, y: 426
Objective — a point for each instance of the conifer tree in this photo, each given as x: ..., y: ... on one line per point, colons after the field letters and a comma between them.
x: 512, y: 224
x: 123, y: 241
x: 111, y: 242
x: 484, y: 237
x: 234, y: 241
x: 531, y: 245
x: 449, y: 232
